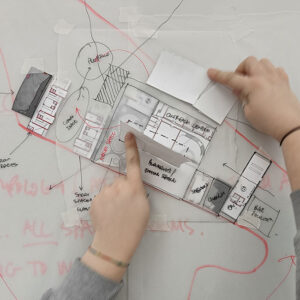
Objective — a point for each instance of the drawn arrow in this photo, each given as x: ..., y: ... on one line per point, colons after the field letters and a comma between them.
x: 55, y: 185
x: 23, y: 141
x: 225, y: 165
x: 52, y: 186
x: 9, y: 93
x: 80, y: 187
x: 79, y: 115
x: 291, y: 259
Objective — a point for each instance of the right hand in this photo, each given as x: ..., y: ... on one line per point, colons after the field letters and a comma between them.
x: 119, y: 214
x: 269, y: 103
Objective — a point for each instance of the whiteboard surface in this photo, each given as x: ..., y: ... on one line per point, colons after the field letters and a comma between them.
x: 201, y: 257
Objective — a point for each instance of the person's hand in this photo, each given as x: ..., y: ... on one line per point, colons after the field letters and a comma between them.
x: 269, y: 104
x: 119, y: 216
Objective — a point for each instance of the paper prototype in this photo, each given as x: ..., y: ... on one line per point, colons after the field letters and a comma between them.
x: 215, y: 102
x: 31, y: 92
x: 44, y: 115
x: 151, y: 146
x: 245, y: 187
x: 189, y: 82
x: 165, y: 127
x: 178, y: 77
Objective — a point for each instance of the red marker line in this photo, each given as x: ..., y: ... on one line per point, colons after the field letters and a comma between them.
x: 285, y: 277
x: 255, y: 146
x: 40, y: 243
x: 123, y: 50
x: 230, y: 270
x: 292, y: 257
x: 116, y: 28
x: 4, y: 109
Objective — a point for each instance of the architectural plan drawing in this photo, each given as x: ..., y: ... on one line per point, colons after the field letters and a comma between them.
x: 164, y: 124
x: 221, y: 221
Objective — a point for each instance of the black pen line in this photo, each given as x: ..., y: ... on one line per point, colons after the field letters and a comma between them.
x: 153, y: 34
x: 23, y: 141
x: 81, y: 187
x: 92, y: 37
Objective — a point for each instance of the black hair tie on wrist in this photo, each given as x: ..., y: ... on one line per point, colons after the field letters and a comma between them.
x: 287, y: 134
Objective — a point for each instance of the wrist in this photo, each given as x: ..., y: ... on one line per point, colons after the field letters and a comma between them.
x: 118, y: 250
x: 292, y: 137
x: 286, y: 130
x: 103, y: 267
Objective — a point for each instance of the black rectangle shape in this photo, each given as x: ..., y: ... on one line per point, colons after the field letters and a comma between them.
x: 217, y: 195
x: 31, y: 92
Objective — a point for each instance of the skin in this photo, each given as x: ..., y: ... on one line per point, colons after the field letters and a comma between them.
x: 120, y: 212
x: 269, y: 105
x: 119, y: 216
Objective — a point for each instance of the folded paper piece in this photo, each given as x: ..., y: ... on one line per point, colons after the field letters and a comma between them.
x: 189, y: 82
x: 245, y: 187
x: 44, y: 115
x: 148, y: 145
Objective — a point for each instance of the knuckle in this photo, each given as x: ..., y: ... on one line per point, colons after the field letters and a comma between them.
x: 132, y: 158
x: 230, y: 78
x: 282, y: 73
x: 251, y: 63
x: 251, y: 60
x: 265, y: 60
x: 256, y: 82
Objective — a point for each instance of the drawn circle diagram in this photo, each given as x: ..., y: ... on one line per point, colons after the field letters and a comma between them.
x: 68, y: 120
x: 93, y: 60
x: 189, y: 147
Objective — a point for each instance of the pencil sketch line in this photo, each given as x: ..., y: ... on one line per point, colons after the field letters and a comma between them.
x: 92, y: 37
x: 244, y: 123
x: 8, y: 287
x: 153, y: 33
x: 116, y: 28
x: 80, y: 187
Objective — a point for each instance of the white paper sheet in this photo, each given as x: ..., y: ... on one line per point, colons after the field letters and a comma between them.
x: 216, y: 102
x: 189, y: 82
x: 178, y: 77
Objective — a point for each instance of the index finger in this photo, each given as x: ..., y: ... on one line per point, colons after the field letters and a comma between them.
x: 248, y: 66
x: 231, y: 79
x: 132, y: 158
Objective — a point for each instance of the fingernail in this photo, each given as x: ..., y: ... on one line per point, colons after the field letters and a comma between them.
x: 128, y: 136
x: 211, y: 72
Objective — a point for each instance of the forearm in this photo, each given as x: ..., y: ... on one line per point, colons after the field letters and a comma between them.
x: 291, y: 152
x: 83, y: 283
